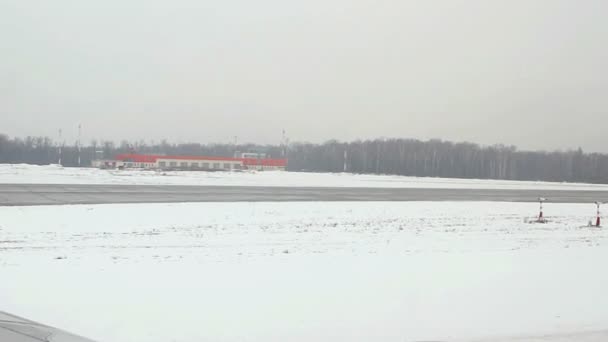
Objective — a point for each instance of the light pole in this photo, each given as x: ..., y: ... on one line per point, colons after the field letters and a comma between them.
x: 236, y: 150
x: 59, y: 144
x: 78, y: 143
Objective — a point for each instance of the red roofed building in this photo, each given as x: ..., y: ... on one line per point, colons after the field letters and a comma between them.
x: 164, y: 162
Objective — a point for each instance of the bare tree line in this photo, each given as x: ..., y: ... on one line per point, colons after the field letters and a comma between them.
x: 434, y: 158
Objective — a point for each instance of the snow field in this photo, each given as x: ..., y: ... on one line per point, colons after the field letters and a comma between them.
x: 357, y: 271
x: 52, y: 174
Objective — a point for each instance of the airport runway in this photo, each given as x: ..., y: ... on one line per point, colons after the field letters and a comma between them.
x: 53, y: 194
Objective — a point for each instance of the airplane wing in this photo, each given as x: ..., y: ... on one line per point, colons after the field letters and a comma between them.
x: 17, y: 329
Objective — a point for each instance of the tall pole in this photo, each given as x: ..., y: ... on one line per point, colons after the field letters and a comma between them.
x: 78, y: 143
x: 235, y: 147
x: 284, y: 145
x: 60, y: 145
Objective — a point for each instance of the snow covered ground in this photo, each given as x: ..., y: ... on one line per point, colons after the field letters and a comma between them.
x: 52, y: 174
x: 339, y: 271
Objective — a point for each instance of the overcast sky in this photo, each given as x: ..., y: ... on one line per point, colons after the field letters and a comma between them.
x: 529, y: 73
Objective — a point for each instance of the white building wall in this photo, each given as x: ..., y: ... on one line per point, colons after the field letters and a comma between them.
x: 169, y: 163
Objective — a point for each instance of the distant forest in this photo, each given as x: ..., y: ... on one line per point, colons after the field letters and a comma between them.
x: 433, y: 158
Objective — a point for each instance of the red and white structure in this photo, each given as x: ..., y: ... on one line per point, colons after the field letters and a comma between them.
x: 165, y: 162
x: 541, y: 217
x: 597, y: 215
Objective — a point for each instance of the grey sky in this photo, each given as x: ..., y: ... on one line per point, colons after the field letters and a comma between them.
x: 528, y: 73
